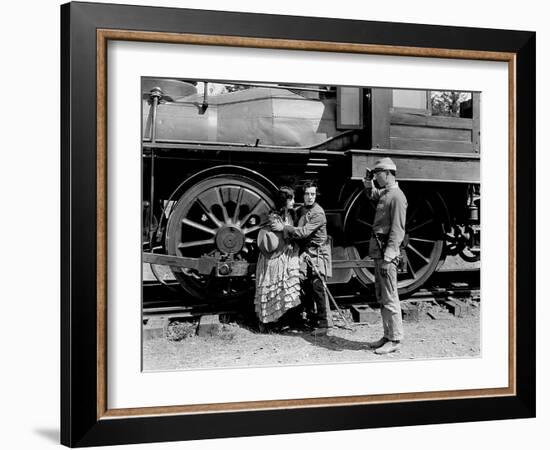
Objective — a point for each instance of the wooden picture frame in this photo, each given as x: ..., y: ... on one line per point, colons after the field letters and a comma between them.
x: 85, y: 416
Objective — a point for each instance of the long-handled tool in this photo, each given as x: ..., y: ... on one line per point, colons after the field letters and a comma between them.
x: 308, y: 260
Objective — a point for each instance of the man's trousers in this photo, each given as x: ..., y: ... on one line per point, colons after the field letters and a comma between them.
x: 315, y: 297
x: 387, y: 296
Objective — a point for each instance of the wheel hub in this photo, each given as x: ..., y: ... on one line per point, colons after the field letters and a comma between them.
x: 229, y: 239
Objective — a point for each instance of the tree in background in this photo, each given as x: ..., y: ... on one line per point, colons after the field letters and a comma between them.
x: 447, y: 103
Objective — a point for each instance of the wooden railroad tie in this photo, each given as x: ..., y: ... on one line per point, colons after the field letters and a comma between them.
x: 458, y: 308
x: 366, y: 314
x: 209, y: 325
x: 409, y: 312
x: 155, y: 328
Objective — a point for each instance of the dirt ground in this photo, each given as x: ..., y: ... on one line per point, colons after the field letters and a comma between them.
x: 437, y: 334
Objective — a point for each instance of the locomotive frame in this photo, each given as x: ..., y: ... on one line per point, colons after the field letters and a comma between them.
x: 85, y: 417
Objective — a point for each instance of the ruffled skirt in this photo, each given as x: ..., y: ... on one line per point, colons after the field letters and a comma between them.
x: 277, y: 285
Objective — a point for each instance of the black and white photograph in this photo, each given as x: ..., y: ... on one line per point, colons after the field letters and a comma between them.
x: 296, y: 224
x: 275, y: 225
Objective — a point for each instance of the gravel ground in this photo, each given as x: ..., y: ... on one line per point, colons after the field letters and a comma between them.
x: 237, y: 345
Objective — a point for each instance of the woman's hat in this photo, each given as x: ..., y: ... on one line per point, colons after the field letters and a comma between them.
x: 269, y: 241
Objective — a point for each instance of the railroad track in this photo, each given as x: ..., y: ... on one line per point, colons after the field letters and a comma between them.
x: 161, y: 301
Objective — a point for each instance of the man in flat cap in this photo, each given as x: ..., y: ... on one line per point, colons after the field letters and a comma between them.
x: 388, y: 231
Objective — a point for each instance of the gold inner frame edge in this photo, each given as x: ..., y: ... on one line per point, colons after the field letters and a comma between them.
x: 103, y: 36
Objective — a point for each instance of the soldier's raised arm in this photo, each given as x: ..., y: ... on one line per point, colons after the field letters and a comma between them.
x: 371, y: 190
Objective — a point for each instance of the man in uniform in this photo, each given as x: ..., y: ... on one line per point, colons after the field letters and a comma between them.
x: 310, y: 233
x: 388, y: 231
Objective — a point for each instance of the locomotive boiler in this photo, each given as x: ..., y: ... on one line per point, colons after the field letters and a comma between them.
x: 214, y: 154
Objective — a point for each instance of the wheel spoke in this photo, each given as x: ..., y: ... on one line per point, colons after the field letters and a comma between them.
x: 252, y: 211
x: 222, y: 206
x: 195, y: 243
x: 211, y: 216
x: 421, y: 225
x: 413, y: 273
x: 366, y: 241
x: 251, y: 229
x: 238, y: 205
x: 422, y: 240
x: 418, y: 253
x: 198, y: 226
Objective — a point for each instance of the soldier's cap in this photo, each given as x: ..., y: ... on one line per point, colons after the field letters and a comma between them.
x: 385, y: 164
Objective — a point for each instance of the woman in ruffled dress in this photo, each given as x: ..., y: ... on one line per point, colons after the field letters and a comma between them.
x: 278, y: 267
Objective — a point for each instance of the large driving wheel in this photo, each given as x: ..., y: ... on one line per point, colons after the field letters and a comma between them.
x: 423, y: 243
x: 218, y: 217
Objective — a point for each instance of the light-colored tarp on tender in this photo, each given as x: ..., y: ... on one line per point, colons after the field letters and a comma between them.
x: 277, y: 117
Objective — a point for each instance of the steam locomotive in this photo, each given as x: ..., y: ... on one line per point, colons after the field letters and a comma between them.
x: 214, y: 153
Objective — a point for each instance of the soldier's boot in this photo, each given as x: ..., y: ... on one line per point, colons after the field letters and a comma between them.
x: 388, y: 347
x: 377, y: 344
